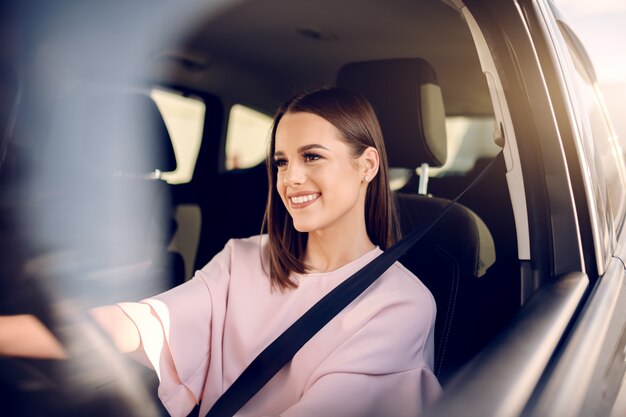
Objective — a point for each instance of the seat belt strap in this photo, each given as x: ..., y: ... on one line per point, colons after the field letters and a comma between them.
x: 284, y: 347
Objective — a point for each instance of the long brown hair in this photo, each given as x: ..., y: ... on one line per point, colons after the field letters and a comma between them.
x: 355, y: 118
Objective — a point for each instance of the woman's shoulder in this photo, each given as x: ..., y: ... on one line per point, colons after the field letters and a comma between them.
x: 407, y: 287
x: 237, y: 247
x: 251, y: 241
x: 239, y: 250
x: 241, y: 258
x: 245, y: 247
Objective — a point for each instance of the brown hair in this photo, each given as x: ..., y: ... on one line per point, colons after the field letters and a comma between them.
x: 355, y: 118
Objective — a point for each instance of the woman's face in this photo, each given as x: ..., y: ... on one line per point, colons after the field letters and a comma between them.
x: 319, y: 181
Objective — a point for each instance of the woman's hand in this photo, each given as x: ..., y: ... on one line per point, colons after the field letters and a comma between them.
x: 25, y: 336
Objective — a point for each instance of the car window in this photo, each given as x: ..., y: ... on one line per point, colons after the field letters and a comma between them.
x: 246, y: 137
x: 184, y: 118
x: 469, y: 139
x: 604, y: 154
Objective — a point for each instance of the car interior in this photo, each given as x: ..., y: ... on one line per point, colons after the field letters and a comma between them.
x: 107, y: 151
x: 419, y: 85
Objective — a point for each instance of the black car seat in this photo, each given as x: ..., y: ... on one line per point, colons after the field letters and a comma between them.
x: 452, y: 257
x: 497, y: 213
x: 237, y: 215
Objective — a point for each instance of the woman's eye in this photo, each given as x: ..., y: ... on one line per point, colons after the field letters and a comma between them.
x: 308, y: 157
x: 280, y: 162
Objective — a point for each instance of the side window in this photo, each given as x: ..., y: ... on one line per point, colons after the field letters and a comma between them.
x: 470, y: 139
x: 247, y: 137
x: 470, y: 146
x: 604, y: 155
x: 184, y: 118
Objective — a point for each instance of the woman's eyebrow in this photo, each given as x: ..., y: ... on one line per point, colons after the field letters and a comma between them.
x: 303, y: 148
x: 311, y: 146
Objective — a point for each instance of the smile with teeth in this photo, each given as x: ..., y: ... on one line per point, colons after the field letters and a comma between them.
x: 304, y: 198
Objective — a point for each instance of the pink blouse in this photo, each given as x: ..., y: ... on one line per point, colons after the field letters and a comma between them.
x: 373, y: 359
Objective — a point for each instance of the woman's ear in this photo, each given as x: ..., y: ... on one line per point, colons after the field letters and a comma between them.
x: 369, y: 163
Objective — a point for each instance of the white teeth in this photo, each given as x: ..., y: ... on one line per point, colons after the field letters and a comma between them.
x: 303, y: 198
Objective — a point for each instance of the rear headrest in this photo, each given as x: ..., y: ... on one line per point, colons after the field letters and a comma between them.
x: 409, y: 105
x: 125, y: 133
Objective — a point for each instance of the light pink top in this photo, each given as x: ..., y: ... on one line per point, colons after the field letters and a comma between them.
x: 373, y: 359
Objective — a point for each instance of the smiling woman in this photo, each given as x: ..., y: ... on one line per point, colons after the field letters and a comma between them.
x: 329, y: 214
x: 328, y: 192
x: 317, y: 202
x: 526, y: 270
x: 317, y: 138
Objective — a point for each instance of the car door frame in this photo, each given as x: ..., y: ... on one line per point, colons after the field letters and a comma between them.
x: 586, y: 373
x: 503, y: 379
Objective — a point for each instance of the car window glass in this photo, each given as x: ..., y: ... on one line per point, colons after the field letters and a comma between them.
x: 184, y: 118
x: 469, y: 139
x: 246, y: 137
x: 470, y: 142
x: 604, y: 154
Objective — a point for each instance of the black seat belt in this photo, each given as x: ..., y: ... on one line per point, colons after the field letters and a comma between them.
x: 282, y: 349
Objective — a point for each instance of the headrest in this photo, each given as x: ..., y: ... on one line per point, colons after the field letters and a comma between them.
x: 125, y: 133
x: 98, y: 134
x: 409, y: 105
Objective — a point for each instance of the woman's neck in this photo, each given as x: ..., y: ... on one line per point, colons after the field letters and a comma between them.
x: 329, y: 251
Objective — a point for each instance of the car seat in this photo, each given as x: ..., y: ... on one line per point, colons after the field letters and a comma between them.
x: 237, y: 215
x: 452, y: 257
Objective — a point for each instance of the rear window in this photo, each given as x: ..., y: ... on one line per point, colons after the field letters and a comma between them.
x: 184, y: 118
x: 247, y: 137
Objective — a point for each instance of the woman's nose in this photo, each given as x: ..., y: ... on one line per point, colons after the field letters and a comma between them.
x: 294, y: 175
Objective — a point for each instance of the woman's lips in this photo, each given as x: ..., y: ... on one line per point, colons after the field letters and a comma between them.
x: 303, y: 200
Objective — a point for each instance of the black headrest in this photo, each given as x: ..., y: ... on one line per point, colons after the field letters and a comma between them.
x: 409, y: 105
x: 125, y: 133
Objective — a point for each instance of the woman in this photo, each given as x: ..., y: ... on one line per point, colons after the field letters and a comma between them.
x: 329, y: 213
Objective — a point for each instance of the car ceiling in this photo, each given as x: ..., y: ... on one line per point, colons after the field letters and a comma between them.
x: 261, y: 38
x: 254, y: 52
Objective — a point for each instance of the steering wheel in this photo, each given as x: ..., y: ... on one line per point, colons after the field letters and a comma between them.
x: 96, y: 380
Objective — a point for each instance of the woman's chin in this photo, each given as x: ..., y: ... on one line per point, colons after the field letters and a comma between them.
x: 304, y: 227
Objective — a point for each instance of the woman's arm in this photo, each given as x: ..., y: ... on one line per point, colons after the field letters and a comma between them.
x: 121, y: 329
x: 26, y: 336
